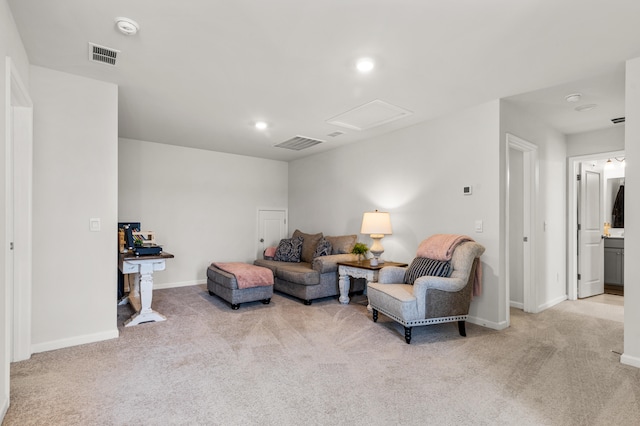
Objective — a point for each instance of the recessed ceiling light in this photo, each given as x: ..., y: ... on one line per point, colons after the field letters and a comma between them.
x: 127, y: 26
x: 261, y: 125
x: 574, y: 97
x: 587, y: 107
x: 365, y: 65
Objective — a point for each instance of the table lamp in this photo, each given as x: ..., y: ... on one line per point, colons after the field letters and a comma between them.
x: 377, y: 225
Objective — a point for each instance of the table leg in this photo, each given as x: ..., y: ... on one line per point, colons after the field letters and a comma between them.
x: 145, y: 288
x: 366, y: 286
x: 344, y: 283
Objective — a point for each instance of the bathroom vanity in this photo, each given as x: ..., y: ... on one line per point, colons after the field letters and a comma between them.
x: 614, y: 260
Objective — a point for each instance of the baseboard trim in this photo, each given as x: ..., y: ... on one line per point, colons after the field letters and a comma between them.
x: 552, y: 303
x: 489, y: 324
x: 633, y: 361
x: 516, y: 305
x: 178, y: 284
x: 74, y: 341
x: 5, y: 408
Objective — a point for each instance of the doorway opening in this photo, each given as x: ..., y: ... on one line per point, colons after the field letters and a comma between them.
x: 520, y: 214
x: 612, y: 173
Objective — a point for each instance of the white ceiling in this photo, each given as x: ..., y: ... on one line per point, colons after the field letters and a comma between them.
x: 201, y: 72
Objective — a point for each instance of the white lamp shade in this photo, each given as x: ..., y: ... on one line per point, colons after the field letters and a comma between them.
x: 376, y: 223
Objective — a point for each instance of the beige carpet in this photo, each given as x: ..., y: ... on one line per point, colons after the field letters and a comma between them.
x: 329, y: 364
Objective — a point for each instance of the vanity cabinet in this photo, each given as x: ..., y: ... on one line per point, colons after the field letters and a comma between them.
x: 614, y: 261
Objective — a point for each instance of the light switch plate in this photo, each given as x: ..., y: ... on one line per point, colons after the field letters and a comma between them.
x: 478, y: 226
x: 94, y: 224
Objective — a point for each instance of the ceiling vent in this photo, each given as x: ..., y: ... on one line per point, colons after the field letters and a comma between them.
x: 617, y: 120
x: 299, y: 143
x: 104, y: 55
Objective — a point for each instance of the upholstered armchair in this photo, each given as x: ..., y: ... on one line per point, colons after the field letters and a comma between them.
x: 431, y: 299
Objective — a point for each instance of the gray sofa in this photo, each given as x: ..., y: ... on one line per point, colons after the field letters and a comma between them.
x: 313, y: 277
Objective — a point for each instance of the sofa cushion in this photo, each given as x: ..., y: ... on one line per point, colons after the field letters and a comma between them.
x: 309, y: 243
x: 342, y: 244
x: 422, y: 266
x: 289, y: 250
x: 299, y: 273
x: 323, y: 248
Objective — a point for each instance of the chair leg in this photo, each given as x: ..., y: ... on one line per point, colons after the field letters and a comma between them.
x: 407, y: 335
x: 461, y: 328
x: 375, y: 315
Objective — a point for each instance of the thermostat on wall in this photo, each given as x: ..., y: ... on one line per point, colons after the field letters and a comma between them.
x: 467, y: 190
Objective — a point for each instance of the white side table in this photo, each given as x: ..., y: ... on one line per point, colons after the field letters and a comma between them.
x: 361, y: 269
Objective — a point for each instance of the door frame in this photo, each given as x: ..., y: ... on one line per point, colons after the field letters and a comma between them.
x: 530, y: 198
x: 19, y: 212
x: 573, y: 169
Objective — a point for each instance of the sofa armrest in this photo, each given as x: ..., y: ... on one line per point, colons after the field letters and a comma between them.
x: 329, y: 263
x: 391, y: 275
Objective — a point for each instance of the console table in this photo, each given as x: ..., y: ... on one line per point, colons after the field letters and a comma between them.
x: 141, y: 294
x: 361, y: 269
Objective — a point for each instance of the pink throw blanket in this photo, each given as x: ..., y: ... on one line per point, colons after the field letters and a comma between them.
x: 270, y: 252
x: 247, y: 275
x: 441, y: 247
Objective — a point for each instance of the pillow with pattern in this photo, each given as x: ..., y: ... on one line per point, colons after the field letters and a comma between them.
x: 323, y: 248
x: 289, y: 250
x: 422, y: 266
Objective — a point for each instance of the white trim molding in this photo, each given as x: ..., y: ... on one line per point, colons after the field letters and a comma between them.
x: 75, y: 341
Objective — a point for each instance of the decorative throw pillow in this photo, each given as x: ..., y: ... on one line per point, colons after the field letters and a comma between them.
x: 289, y: 250
x: 342, y: 244
x: 323, y: 248
x: 309, y: 243
x: 422, y: 266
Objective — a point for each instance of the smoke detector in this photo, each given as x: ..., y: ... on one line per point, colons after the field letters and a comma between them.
x: 574, y: 97
x: 127, y: 26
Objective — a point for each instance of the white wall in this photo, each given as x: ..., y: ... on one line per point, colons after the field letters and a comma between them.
x: 201, y: 205
x: 417, y: 174
x: 632, y: 213
x: 75, y: 179
x: 551, y: 285
x: 604, y: 140
x: 11, y: 46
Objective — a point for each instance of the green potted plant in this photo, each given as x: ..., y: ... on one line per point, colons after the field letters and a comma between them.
x: 360, y: 249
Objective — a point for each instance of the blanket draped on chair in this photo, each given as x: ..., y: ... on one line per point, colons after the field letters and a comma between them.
x: 247, y: 275
x: 441, y: 247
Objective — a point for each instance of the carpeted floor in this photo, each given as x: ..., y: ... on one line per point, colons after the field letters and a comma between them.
x: 329, y: 364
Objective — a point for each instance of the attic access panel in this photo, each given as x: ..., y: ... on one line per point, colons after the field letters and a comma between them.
x: 370, y: 115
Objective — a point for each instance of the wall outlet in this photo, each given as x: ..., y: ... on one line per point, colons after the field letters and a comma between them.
x: 94, y: 224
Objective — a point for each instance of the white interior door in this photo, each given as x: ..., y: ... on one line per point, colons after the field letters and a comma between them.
x: 19, y: 148
x: 521, y: 205
x: 272, y: 227
x: 590, y: 242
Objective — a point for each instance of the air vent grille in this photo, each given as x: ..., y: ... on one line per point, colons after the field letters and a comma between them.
x: 618, y: 120
x: 299, y: 143
x: 104, y: 55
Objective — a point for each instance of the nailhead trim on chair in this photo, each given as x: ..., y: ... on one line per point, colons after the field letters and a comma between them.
x: 425, y: 321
